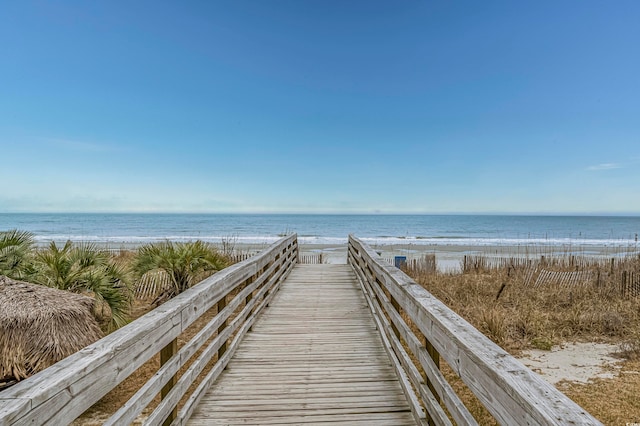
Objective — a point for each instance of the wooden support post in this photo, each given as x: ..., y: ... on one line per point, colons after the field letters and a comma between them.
x: 396, y: 307
x: 166, y: 354
x: 273, y: 274
x: 268, y: 278
x: 221, y: 305
x: 250, y: 295
x: 435, y: 356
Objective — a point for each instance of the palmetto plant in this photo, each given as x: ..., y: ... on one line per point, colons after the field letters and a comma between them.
x: 185, y: 263
x: 15, y: 247
x: 86, y: 269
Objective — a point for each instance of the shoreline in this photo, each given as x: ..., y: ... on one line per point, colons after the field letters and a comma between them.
x: 449, y: 256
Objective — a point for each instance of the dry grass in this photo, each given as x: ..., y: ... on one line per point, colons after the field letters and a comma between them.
x: 39, y: 326
x: 612, y: 401
x: 517, y: 316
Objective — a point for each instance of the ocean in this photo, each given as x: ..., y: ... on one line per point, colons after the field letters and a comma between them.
x: 115, y: 229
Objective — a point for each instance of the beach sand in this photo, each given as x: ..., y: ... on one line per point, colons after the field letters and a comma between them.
x: 574, y: 362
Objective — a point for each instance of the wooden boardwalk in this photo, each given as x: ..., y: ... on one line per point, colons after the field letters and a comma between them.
x: 296, y: 344
x: 313, y: 357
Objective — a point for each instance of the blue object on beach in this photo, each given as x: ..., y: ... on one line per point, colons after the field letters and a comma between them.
x: 399, y: 261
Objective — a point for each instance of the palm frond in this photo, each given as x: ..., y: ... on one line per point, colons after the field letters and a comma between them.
x: 86, y: 269
x: 15, y: 247
x: 184, y: 263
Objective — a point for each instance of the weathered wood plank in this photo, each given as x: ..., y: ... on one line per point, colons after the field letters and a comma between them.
x: 404, y: 368
x: 309, y: 418
x: 314, y: 355
x: 185, y: 413
x: 240, y: 321
x: 60, y: 393
x: 141, y: 399
x: 453, y: 403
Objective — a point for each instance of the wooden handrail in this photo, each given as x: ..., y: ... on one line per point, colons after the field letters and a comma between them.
x: 511, y: 392
x: 62, y: 392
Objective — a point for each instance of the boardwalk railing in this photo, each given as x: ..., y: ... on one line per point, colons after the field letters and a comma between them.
x: 61, y: 393
x: 512, y: 393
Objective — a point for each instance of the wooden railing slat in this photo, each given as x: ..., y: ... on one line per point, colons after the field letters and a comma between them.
x: 512, y: 393
x: 404, y: 380
x: 196, y: 368
x: 441, y: 387
x: 141, y: 399
x: 185, y: 413
x: 62, y: 392
x: 433, y: 408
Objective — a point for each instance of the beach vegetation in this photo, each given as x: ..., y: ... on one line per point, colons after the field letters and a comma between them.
x: 228, y: 245
x: 85, y: 269
x: 15, y: 249
x: 521, y: 305
x: 184, y: 263
x: 518, y: 312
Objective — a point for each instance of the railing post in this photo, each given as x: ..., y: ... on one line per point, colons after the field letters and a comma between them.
x: 247, y: 299
x: 396, y: 307
x: 166, y: 354
x: 250, y: 295
x: 435, y: 356
x: 221, y: 305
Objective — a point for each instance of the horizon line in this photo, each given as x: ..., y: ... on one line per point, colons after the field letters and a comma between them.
x: 336, y: 213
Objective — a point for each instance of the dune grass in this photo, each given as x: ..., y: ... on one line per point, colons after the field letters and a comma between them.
x: 517, y: 315
x: 502, y: 302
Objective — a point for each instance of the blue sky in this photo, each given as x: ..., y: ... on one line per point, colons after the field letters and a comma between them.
x: 320, y: 106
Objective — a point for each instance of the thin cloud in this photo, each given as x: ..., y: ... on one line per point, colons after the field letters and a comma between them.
x: 604, y: 166
x: 81, y: 145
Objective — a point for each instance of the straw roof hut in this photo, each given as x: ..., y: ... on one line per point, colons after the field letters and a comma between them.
x: 39, y: 326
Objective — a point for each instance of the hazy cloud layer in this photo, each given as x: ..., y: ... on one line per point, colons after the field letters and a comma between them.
x: 604, y: 166
x: 81, y: 146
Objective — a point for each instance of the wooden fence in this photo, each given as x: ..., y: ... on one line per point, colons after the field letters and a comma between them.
x: 483, y: 263
x: 512, y: 393
x: 477, y: 263
x: 426, y: 263
x: 61, y: 393
x: 240, y: 257
x: 151, y: 285
x: 311, y: 259
x: 547, y: 271
x: 565, y: 279
x: 306, y: 258
x: 630, y: 284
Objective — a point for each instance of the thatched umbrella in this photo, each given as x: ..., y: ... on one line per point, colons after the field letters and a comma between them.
x: 39, y: 326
